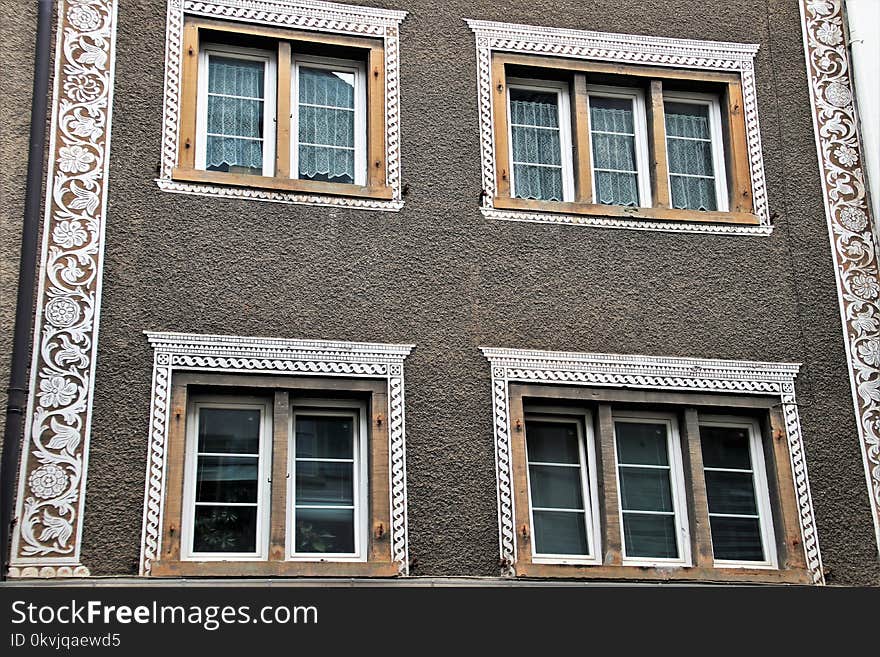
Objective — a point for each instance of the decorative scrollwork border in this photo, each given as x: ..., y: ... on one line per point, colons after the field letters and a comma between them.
x: 304, y: 14
x: 223, y: 353
x: 652, y: 373
x: 52, y: 478
x: 849, y: 222
x: 628, y: 49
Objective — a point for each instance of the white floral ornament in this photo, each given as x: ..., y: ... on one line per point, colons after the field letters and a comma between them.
x: 56, y: 391
x: 838, y: 94
x: 853, y: 219
x: 69, y: 234
x: 865, y: 286
x: 74, y: 159
x: 48, y: 481
x: 84, y: 18
x: 62, y: 312
x: 829, y: 34
x: 846, y: 155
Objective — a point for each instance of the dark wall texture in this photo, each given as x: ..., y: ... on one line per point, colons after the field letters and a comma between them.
x: 440, y: 275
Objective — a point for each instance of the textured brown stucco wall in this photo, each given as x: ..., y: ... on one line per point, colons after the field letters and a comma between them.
x: 441, y: 276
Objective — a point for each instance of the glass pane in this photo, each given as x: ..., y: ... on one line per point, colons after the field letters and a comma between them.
x: 534, y: 108
x: 234, y: 155
x: 616, y: 152
x: 693, y: 193
x: 227, y: 479
x: 225, y: 529
x: 556, y: 487
x: 326, y: 164
x: 736, y: 539
x: 543, y: 183
x: 235, y: 77
x: 327, y: 88
x: 229, y: 430
x: 725, y: 447
x: 611, y: 115
x: 641, y: 443
x: 559, y: 533
x: 690, y: 157
x: 329, y: 127
x: 235, y: 117
x: 687, y: 120
x: 536, y: 145
x: 552, y: 442
x: 320, y: 482
x: 645, y: 490
x: 617, y: 188
x: 649, y: 536
x: 325, y: 530
x: 730, y: 492
x: 325, y: 437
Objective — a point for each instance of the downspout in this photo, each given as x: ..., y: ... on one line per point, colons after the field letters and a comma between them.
x: 27, y: 269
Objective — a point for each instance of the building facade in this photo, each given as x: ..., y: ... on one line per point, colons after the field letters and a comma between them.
x: 448, y: 289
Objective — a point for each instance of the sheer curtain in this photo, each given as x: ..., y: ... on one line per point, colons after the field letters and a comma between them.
x: 537, y: 156
x: 614, y: 157
x: 689, y: 148
x: 326, y: 125
x: 235, y: 114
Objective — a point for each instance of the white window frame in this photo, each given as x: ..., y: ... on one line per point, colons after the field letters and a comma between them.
x: 270, y: 81
x: 589, y: 482
x: 358, y: 69
x: 561, y: 89
x: 677, y: 486
x: 264, y: 493
x: 640, y: 128
x: 716, y: 134
x: 331, y: 408
x: 761, y: 488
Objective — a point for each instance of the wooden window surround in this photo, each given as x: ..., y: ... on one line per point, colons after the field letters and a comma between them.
x: 278, y: 393
x: 656, y: 84
x: 785, y: 561
x: 284, y: 45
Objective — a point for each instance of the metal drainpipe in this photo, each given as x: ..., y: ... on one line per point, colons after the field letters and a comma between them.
x: 27, y: 269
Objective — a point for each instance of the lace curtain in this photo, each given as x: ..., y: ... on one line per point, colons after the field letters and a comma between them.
x: 235, y: 114
x: 326, y: 125
x: 614, y: 155
x: 537, y: 156
x: 689, y: 148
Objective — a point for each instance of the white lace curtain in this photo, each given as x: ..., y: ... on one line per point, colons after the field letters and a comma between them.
x: 614, y: 156
x: 537, y: 157
x: 235, y: 113
x: 326, y: 125
x: 689, y: 148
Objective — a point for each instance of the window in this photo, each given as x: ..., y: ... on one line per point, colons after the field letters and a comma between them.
x: 628, y: 141
x: 625, y: 484
x: 278, y: 475
x: 283, y: 110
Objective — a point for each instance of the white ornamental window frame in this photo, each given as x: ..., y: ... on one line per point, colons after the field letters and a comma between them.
x: 669, y: 374
x: 316, y: 15
x: 177, y: 352
x: 495, y: 37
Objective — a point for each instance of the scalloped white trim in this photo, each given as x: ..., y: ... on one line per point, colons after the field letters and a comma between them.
x: 230, y: 353
x: 652, y: 373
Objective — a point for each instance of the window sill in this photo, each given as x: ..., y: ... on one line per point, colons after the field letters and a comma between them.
x: 621, y: 212
x: 183, y: 174
x: 666, y: 573
x: 174, y: 568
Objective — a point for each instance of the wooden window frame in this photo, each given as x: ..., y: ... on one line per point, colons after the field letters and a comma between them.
x: 689, y: 410
x: 740, y: 206
x: 200, y: 33
x: 280, y: 393
x: 589, y: 482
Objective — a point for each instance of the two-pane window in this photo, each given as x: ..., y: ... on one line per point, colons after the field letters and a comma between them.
x: 229, y: 495
x: 644, y: 472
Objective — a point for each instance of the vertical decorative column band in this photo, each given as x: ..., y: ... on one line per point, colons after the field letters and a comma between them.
x: 849, y: 222
x: 52, y: 478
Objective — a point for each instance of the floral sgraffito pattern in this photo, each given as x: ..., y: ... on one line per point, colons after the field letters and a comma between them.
x: 53, y: 466
x: 848, y: 218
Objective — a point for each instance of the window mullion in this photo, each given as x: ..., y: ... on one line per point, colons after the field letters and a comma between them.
x: 500, y: 102
x: 375, y: 119
x: 187, y: 148
x: 737, y: 164
x: 282, y: 152
x: 657, y: 146
x: 697, y: 504
x: 580, y: 111
x: 278, y: 499
x: 609, y: 494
